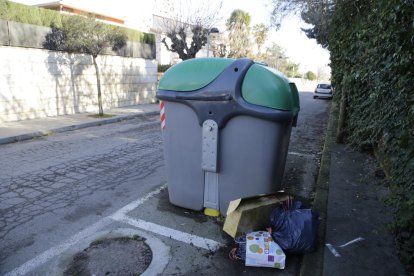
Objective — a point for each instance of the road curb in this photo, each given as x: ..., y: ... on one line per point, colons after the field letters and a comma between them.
x: 37, y: 134
x: 312, y: 264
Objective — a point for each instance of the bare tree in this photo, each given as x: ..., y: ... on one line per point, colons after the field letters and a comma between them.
x: 189, y: 26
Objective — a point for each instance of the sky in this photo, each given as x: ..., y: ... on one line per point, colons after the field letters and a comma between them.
x: 138, y: 14
x: 298, y: 47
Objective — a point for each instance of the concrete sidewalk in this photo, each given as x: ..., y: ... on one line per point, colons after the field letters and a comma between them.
x: 357, y: 218
x: 11, y: 132
x: 353, y: 236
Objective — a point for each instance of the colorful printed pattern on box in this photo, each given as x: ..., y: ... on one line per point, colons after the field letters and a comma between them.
x: 262, y: 251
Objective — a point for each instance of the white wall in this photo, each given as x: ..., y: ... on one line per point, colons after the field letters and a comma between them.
x: 37, y: 83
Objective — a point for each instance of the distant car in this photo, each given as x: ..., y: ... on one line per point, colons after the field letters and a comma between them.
x: 323, y: 90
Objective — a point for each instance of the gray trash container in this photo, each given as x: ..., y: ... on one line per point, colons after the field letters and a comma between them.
x: 226, y: 130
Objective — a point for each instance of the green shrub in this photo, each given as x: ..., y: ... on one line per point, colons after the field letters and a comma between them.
x: 163, y: 67
x: 134, y: 35
x: 48, y: 18
x: 372, y: 59
x: 310, y: 75
x: 30, y: 15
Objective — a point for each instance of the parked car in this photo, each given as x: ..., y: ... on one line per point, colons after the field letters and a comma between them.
x: 323, y: 90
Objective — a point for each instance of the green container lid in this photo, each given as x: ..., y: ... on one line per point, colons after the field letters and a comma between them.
x: 267, y: 87
x: 193, y: 74
x: 295, y: 97
x: 262, y: 85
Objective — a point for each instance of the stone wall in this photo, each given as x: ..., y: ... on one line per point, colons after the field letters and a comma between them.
x: 37, y: 83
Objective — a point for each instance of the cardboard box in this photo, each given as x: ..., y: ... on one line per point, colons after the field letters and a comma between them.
x: 245, y: 215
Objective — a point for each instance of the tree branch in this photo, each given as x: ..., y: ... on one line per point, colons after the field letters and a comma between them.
x: 166, y: 45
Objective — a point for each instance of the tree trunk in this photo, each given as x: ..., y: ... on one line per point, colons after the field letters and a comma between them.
x: 98, y: 84
x: 341, y: 119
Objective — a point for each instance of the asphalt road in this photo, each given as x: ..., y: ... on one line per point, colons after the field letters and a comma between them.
x: 59, y: 190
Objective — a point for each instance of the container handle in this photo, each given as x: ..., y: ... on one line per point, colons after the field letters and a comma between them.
x: 206, y: 97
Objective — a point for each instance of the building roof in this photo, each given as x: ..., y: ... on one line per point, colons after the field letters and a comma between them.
x: 64, y: 7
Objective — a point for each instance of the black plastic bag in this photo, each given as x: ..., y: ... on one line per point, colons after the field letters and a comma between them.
x: 294, y: 229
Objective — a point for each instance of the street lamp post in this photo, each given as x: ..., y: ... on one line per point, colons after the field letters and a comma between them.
x: 212, y: 30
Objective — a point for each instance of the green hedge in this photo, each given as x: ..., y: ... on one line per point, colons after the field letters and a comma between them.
x: 43, y: 17
x: 372, y: 60
x: 134, y: 35
x: 163, y: 67
x: 30, y: 15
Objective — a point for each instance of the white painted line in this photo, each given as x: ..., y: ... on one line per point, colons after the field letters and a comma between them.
x: 134, y: 204
x: 353, y: 241
x: 57, y: 250
x: 333, y: 250
x: 197, y: 241
x: 302, y: 154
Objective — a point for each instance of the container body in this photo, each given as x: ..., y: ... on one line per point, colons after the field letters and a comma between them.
x: 252, y: 155
x: 182, y: 153
x: 227, y: 130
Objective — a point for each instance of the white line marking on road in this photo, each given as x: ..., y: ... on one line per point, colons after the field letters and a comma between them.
x: 134, y: 204
x: 171, y: 233
x: 353, y: 241
x: 302, y: 154
x: 57, y: 250
x: 333, y: 250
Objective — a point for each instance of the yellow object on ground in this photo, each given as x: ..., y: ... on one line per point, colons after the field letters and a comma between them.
x: 246, y: 215
x: 211, y: 212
